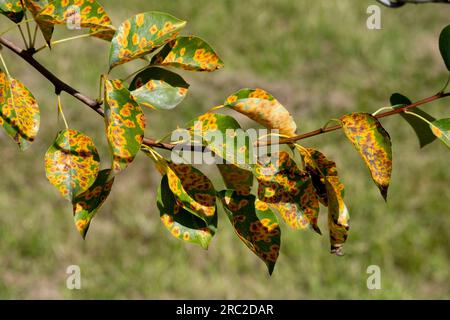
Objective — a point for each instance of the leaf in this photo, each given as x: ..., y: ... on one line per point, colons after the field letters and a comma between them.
x: 373, y: 144
x: 188, y: 53
x: 319, y: 168
x: 72, y: 163
x: 289, y: 190
x: 19, y: 111
x: 36, y: 6
x: 192, y: 190
x: 157, y: 88
x: 263, y: 108
x: 338, y: 216
x: 125, y: 124
x: 86, y: 205
x: 141, y: 35
x: 421, y: 128
x: 444, y: 45
x: 236, y: 178
x: 86, y: 13
x: 223, y: 136
x: 331, y: 193
x: 181, y: 223
x: 12, y: 9
x: 255, y: 224
x: 441, y: 129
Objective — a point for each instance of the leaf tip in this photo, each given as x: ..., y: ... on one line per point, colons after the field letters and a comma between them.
x: 337, y: 250
x: 384, y: 192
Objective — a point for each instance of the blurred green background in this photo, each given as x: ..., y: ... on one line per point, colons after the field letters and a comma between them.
x: 319, y: 59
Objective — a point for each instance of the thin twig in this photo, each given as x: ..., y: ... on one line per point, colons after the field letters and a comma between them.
x: 95, y: 105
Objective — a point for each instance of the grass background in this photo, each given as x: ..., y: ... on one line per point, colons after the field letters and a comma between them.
x: 319, y: 59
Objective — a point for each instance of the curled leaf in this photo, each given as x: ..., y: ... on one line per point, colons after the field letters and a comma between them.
x: 158, y: 88
x: 72, y: 163
x: 373, y: 144
x: 86, y: 205
x: 289, y: 190
x: 263, y: 108
x: 141, y: 35
x: 319, y: 168
x: 441, y: 129
x: 19, y: 111
x: 125, y: 124
x: 36, y: 6
x: 188, y: 53
x: 181, y: 223
x: 338, y: 216
x: 255, y: 224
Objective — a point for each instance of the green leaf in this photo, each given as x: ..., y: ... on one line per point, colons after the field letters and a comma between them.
x: 421, y: 128
x: 444, y: 45
x: 125, y: 124
x: 223, y: 136
x: 263, y: 108
x: 289, y: 190
x: 237, y: 179
x: 141, y: 35
x: 441, y: 129
x: 88, y: 13
x: 72, y: 163
x: 181, y: 223
x: 19, y: 111
x: 373, y: 144
x: 36, y: 6
x: 188, y: 53
x: 255, y: 224
x: 193, y: 190
x: 12, y: 9
x: 157, y: 88
x: 86, y: 205
x: 338, y: 216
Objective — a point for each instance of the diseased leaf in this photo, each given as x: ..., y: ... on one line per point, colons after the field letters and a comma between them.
x: 125, y: 124
x: 236, y: 178
x: 188, y: 53
x: 289, y: 190
x: 192, y: 190
x: 72, y: 163
x: 444, y: 45
x: 223, y: 135
x: 338, y: 217
x: 12, y: 9
x: 141, y: 35
x: 255, y: 224
x: 421, y: 128
x: 319, y: 168
x: 158, y: 88
x: 373, y: 144
x: 86, y: 205
x: 19, y: 111
x: 77, y: 13
x: 331, y: 193
x: 36, y: 6
x: 181, y: 223
x: 441, y: 129
x: 263, y: 108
